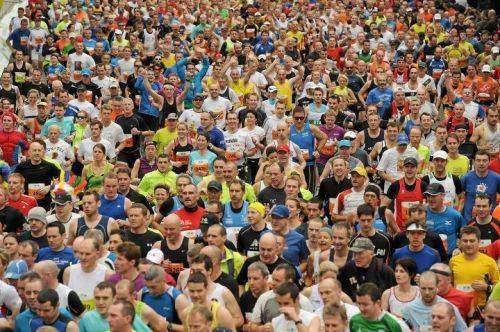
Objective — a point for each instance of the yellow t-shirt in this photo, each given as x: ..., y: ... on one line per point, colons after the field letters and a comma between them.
x: 162, y: 138
x: 285, y: 89
x: 453, y: 52
x: 419, y: 29
x: 465, y: 272
x: 458, y: 166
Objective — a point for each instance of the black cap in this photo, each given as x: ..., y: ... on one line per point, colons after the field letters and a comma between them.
x: 410, y: 160
x: 214, y: 185
x: 81, y: 87
x: 208, y: 220
x: 434, y: 189
x: 461, y: 126
x: 62, y: 198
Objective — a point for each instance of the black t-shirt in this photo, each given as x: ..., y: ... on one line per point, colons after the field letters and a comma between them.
x: 243, y: 276
x: 382, y: 243
x: 144, y: 241
x: 271, y: 196
x: 248, y: 240
x: 229, y: 245
x: 431, y: 239
x: 12, y: 219
x: 468, y: 149
x: 489, y: 231
x: 41, y: 241
x: 393, y: 190
x: 43, y: 88
x: 37, y: 175
x: 229, y: 283
x: 247, y: 302
x: 96, y: 91
x: 127, y: 123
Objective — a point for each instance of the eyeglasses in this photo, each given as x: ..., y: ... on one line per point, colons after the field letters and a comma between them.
x: 299, y: 118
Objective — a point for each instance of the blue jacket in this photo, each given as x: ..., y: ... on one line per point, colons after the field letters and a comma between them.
x: 195, y: 85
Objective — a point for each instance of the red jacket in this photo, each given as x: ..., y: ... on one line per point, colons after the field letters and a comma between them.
x: 8, y: 143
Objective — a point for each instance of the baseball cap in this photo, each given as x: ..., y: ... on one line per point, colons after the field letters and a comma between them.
x: 262, y: 57
x: 272, y: 88
x: 495, y: 50
x: 434, y: 189
x: 437, y: 17
x: 411, y: 161
x: 206, y: 221
x: 344, y: 143
x: 155, y: 256
x: 62, y: 197
x: 118, y: 32
x: 486, y: 69
x: 72, y: 35
x: 280, y: 211
x: 283, y: 147
x: 257, y: 206
x: 360, y: 170
x: 214, y: 185
x: 41, y: 103
x: 199, y: 96
x: 350, y: 134
x: 416, y: 226
x: 461, y: 126
x: 403, y: 139
x: 440, y: 155
x: 16, y: 269
x: 81, y: 87
x: 37, y: 213
x: 114, y: 84
x: 422, y: 64
x: 172, y: 116
x: 362, y: 244
x: 87, y: 72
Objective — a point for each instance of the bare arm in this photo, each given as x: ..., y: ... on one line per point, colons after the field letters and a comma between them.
x: 385, y: 300
x: 155, y: 321
x: 225, y: 319
x: 233, y: 307
x: 71, y: 234
x: 134, y: 174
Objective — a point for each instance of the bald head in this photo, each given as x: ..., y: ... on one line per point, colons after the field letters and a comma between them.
x: 329, y: 290
x: 268, y: 239
x: 124, y: 289
x: 47, y: 267
x: 213, y: 252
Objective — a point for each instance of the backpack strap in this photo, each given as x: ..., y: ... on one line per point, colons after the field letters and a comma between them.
x: 230, y: 267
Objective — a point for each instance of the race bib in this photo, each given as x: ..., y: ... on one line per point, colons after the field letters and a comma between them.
x: 183, y: 157
x: 232, y: 233
x: 484, y: 243
x: 19, y: 77
x: 405, y: 208
x: 201, y: 168
x: 129, y: 141
x: 465, y: 288
x: 231, y: 156
x: 24, y: 41
x: 191, y: 233
x: 329, y: 148
x: 174, y: 268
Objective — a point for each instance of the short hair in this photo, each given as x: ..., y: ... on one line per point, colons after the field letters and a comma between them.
x: 203, y: 259
x: 32, y: 244
x: 198, y: 278
x: 316, y: 200
x: 417, y: 208
x: 429, y: 275
x: 130, y: 250
x: 31, y: 276
x: 17, y: 175
x: 123, y: 170
x: 328, y: 266
x: 128, y: 308
x: 288, y: 287
x: 142, y: 207
x: 194, y: 250
x: 96, y: 236
x: 449, y: 308
x: 219, y: 204
x: 343, y: 225
x: 470, y: 230
x: 48, y: 295
x: 289, y: 271
x: 335, y: 309
x: 261, y: 267
x: 482, y: 153
x: 154, y: 272
x: 198, y: 309
x: 59, y: 225
x: 365, y: 210
x: 161, y: 186
x: 92, y: 193
x: 220, y: 228
x: 96, y: 122
x: 372, y: 188
x: 298, y: 109
x: 237, y: 182
x: 483, y: 196
x: 370, y: 289
x: 409, y: 265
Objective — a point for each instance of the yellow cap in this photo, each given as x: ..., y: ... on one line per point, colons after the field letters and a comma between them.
x: 258, y: 207
x: 360, y: 170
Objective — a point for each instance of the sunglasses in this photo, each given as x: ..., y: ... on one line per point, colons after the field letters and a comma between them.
x: 299, y: 118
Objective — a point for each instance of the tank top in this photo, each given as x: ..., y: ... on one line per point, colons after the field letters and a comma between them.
x: 113, y: 208
x: 405, y: 199
x: 177, y: 204
x: 225, y: 94
x: 396, y: 306
x: 164, y: 305
x: 82, y: 227
x: 216, y: 295
x: 167, y: 109
x: 60, y: 324
x: 305, y: 140
x: 315, y: 113
x: 315, y: 298
x: 181, y: 153
x: 235, y: 219
x: 214, y: 308
x: 449, y: 188
x: 20, y: 74
x: 145, y: 167
x: 177, y: 257
x: 370, y: 142
x: 95, y: 180
x: 83, y: 283
x: 331, y: 258
x: 492, y: 137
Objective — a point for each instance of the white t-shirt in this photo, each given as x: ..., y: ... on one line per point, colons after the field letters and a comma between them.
x: 103, y: 84
x: 112, y: 133
x: 85, y: 106
x: 77, y: 63
x: 126, y: 67
x: 87, y: 145
x: 218, y: 108
x: 260, y: 305
x: 350, y: 310
x: 53, y: 217
x: 471, y: 111
x: 258, y: 79
x: 272, y: 121
x: 191, y: 117
x: 59, y: 151
x: 9, y: 296
x: 280, y: 323
x: 391, y: 162
x: 256, y: 132
x: 237, y: 141
x: 30, y: 112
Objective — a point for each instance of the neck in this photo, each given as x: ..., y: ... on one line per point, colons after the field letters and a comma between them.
x: 406, y: 287
x: 139, y: 230
x: 339, y: 178
x: 262, y: 291
x: 483, y: 220
x: 124, y: 192
x: 482, y: 174
x: 236, y: 205
x: 38, y: 233
x: 438, y: 209
x: 15, y: 196
x: 92, y: 217
x: 410, y: 181
x: 454, y: 154
x: 90, y: 268
x: 416, y: 249
x: 259, y: 226
x: 471, y: 256
x: 130, y: 274
x: 368, y: 233
x: 342, y: 252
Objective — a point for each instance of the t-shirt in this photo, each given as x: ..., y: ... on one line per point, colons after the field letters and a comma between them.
x: 62, y: 258
x: 271, y: 196
x: 386, y: 322
x: 145, y: 241
x: 381, y: 241
x: 280, y: 323
x: 446, y: 223
x: 419, y: 315
x: 243, y: 278
x: 248, y: 240
x: 424, y: 258
x: 392, y: 162
x: 473, y: 185
x: 458, y: 166
x: 296, y: 250
x: 36, y: 177
x: 139, y: 281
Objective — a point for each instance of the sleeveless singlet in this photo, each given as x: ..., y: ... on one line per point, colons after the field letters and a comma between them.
x: 216, y: 295
x: 145, y: 167
x: 164, y: 305
x: 305, y: 140
x: 181, y: 153
x: 370, y: 142
x: 235, y: 219
x: 492, y: 138
x: 214, y: 308
x: 315, y: 298
x: 20, y: 74
x: 177, y: 257
x: 102, y: 225
x: 332, y: 256
x: 113, y: 208
x: 395, y: 305
x: 405, y: 199
x: 85, y: 290
x: 449, y: 188
x: 96, y: 180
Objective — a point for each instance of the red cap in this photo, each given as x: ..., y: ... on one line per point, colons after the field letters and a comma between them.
x: 283, y: 147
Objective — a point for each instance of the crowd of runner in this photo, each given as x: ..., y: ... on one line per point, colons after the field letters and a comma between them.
x: 250, y: 165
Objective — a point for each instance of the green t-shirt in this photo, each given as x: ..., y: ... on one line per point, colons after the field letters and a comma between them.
x: 384, y: 323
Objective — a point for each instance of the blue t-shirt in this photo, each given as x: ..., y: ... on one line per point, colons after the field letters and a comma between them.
x: 419, y: 315
x: 296, y: 249
x: 23, y: 320
x: 448, y: 223
x: 378, y: 224
x: 62, y: 258
x: 19, y: 39
x: 473, y: 185
x: 384, y: 96
x: 235, y: 219
x: 424, y: 258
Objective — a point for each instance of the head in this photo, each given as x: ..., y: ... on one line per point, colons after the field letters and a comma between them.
x: 89, y: 253
x: 330, y: 290
x: 32, y: 287
x: 366, y: 217
x: 492, y: 315
x: 216, y: 236
x: 341, y: 235
x: 155, y: 280
x: 197, y: 287
x: 368, y: 299
x: 258, y: 275
x: 282, y: 274
x: 405, y: 270
x: 28, y: 251
x: 443, y: 273
x: 267, y: 248
x: 428, y: 287
x: 199, y: 319
x: 127, y: 257
x: 334, y: 317
x: 48, y: 305
x: 90, y: 203
x: 121, y: 315
x: 481, y: 162
x: 56, y: 234
x: 469, y: 240
x: 287, y: 295
x: 443, y: 317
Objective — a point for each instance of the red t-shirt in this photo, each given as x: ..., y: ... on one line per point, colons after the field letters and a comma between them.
x: 461, y: 300
x: 190, y: 220
x: 24, y: 204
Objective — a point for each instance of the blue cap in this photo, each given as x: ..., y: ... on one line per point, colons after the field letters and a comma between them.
x: 87, y: 72
x: 280, y: 211
x: 403, y: 139
x: 345, y: 143
x: 16, y: 269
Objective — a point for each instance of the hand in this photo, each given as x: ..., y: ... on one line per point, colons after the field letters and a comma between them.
x: 479, y: 286
x: 315, y: 154
x: 43, y: 191
x: 267, y: 328
x: 290, y: 313
x: 135, y: 131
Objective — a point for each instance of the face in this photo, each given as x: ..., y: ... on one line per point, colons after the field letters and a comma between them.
x: 363, y: 258
x: 114, y: 241
x: 36, y: 152
x: 256, y: 281
x: 366, y: 222
x: 15, y: 185
x: 26, y: 253
x: 136, y: 218
x: 492, y: 319
x: 469, y: 244
x: 54, y: 238
x: 197, y: 292
x: 190, y: 196
x: 428, y: 290
x: 267, y: 251
x: 416, y: 238
x: 340, y: 238
x: 402, y: 276
x: 90, y: 204
x: 11, y: 246
x: 48, y: 312
x: 110, y: 187
x: 116, y: 319
x: 88, y: 254
x: 163, y: 164
x: 98, y: 154
x: 334, y: 323
x: 481, y: 163
x: 357, y: 180
x: 367, y: 307
x: 482, y: 207
x: 410, y: 171
x: 214, y: 238
x: 31, y: 291
x: 329, y: 292
x: 285, y: 301
x: 435, y: 202
x: 236, y: 193
x: 313, y: 210
x: 199, y: 324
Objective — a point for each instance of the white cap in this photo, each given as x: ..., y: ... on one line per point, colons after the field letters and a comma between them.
x: 440, y: 154
x: 72, y: 35
x: 271, y: 89
x: 155, y: 256
x: 486, y: 69
x: 437, y: 16
x: 350, y: 134
x: 262, y: 56
x: 118, y: 32
x: 310, y: 85
x: 416, y: 227
x: 494, y: 50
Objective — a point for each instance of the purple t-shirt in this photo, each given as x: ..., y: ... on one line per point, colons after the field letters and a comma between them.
x: 139, y: 282
x: 336, y: 133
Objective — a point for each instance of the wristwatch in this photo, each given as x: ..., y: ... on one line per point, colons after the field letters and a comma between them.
x: 297, y: 322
